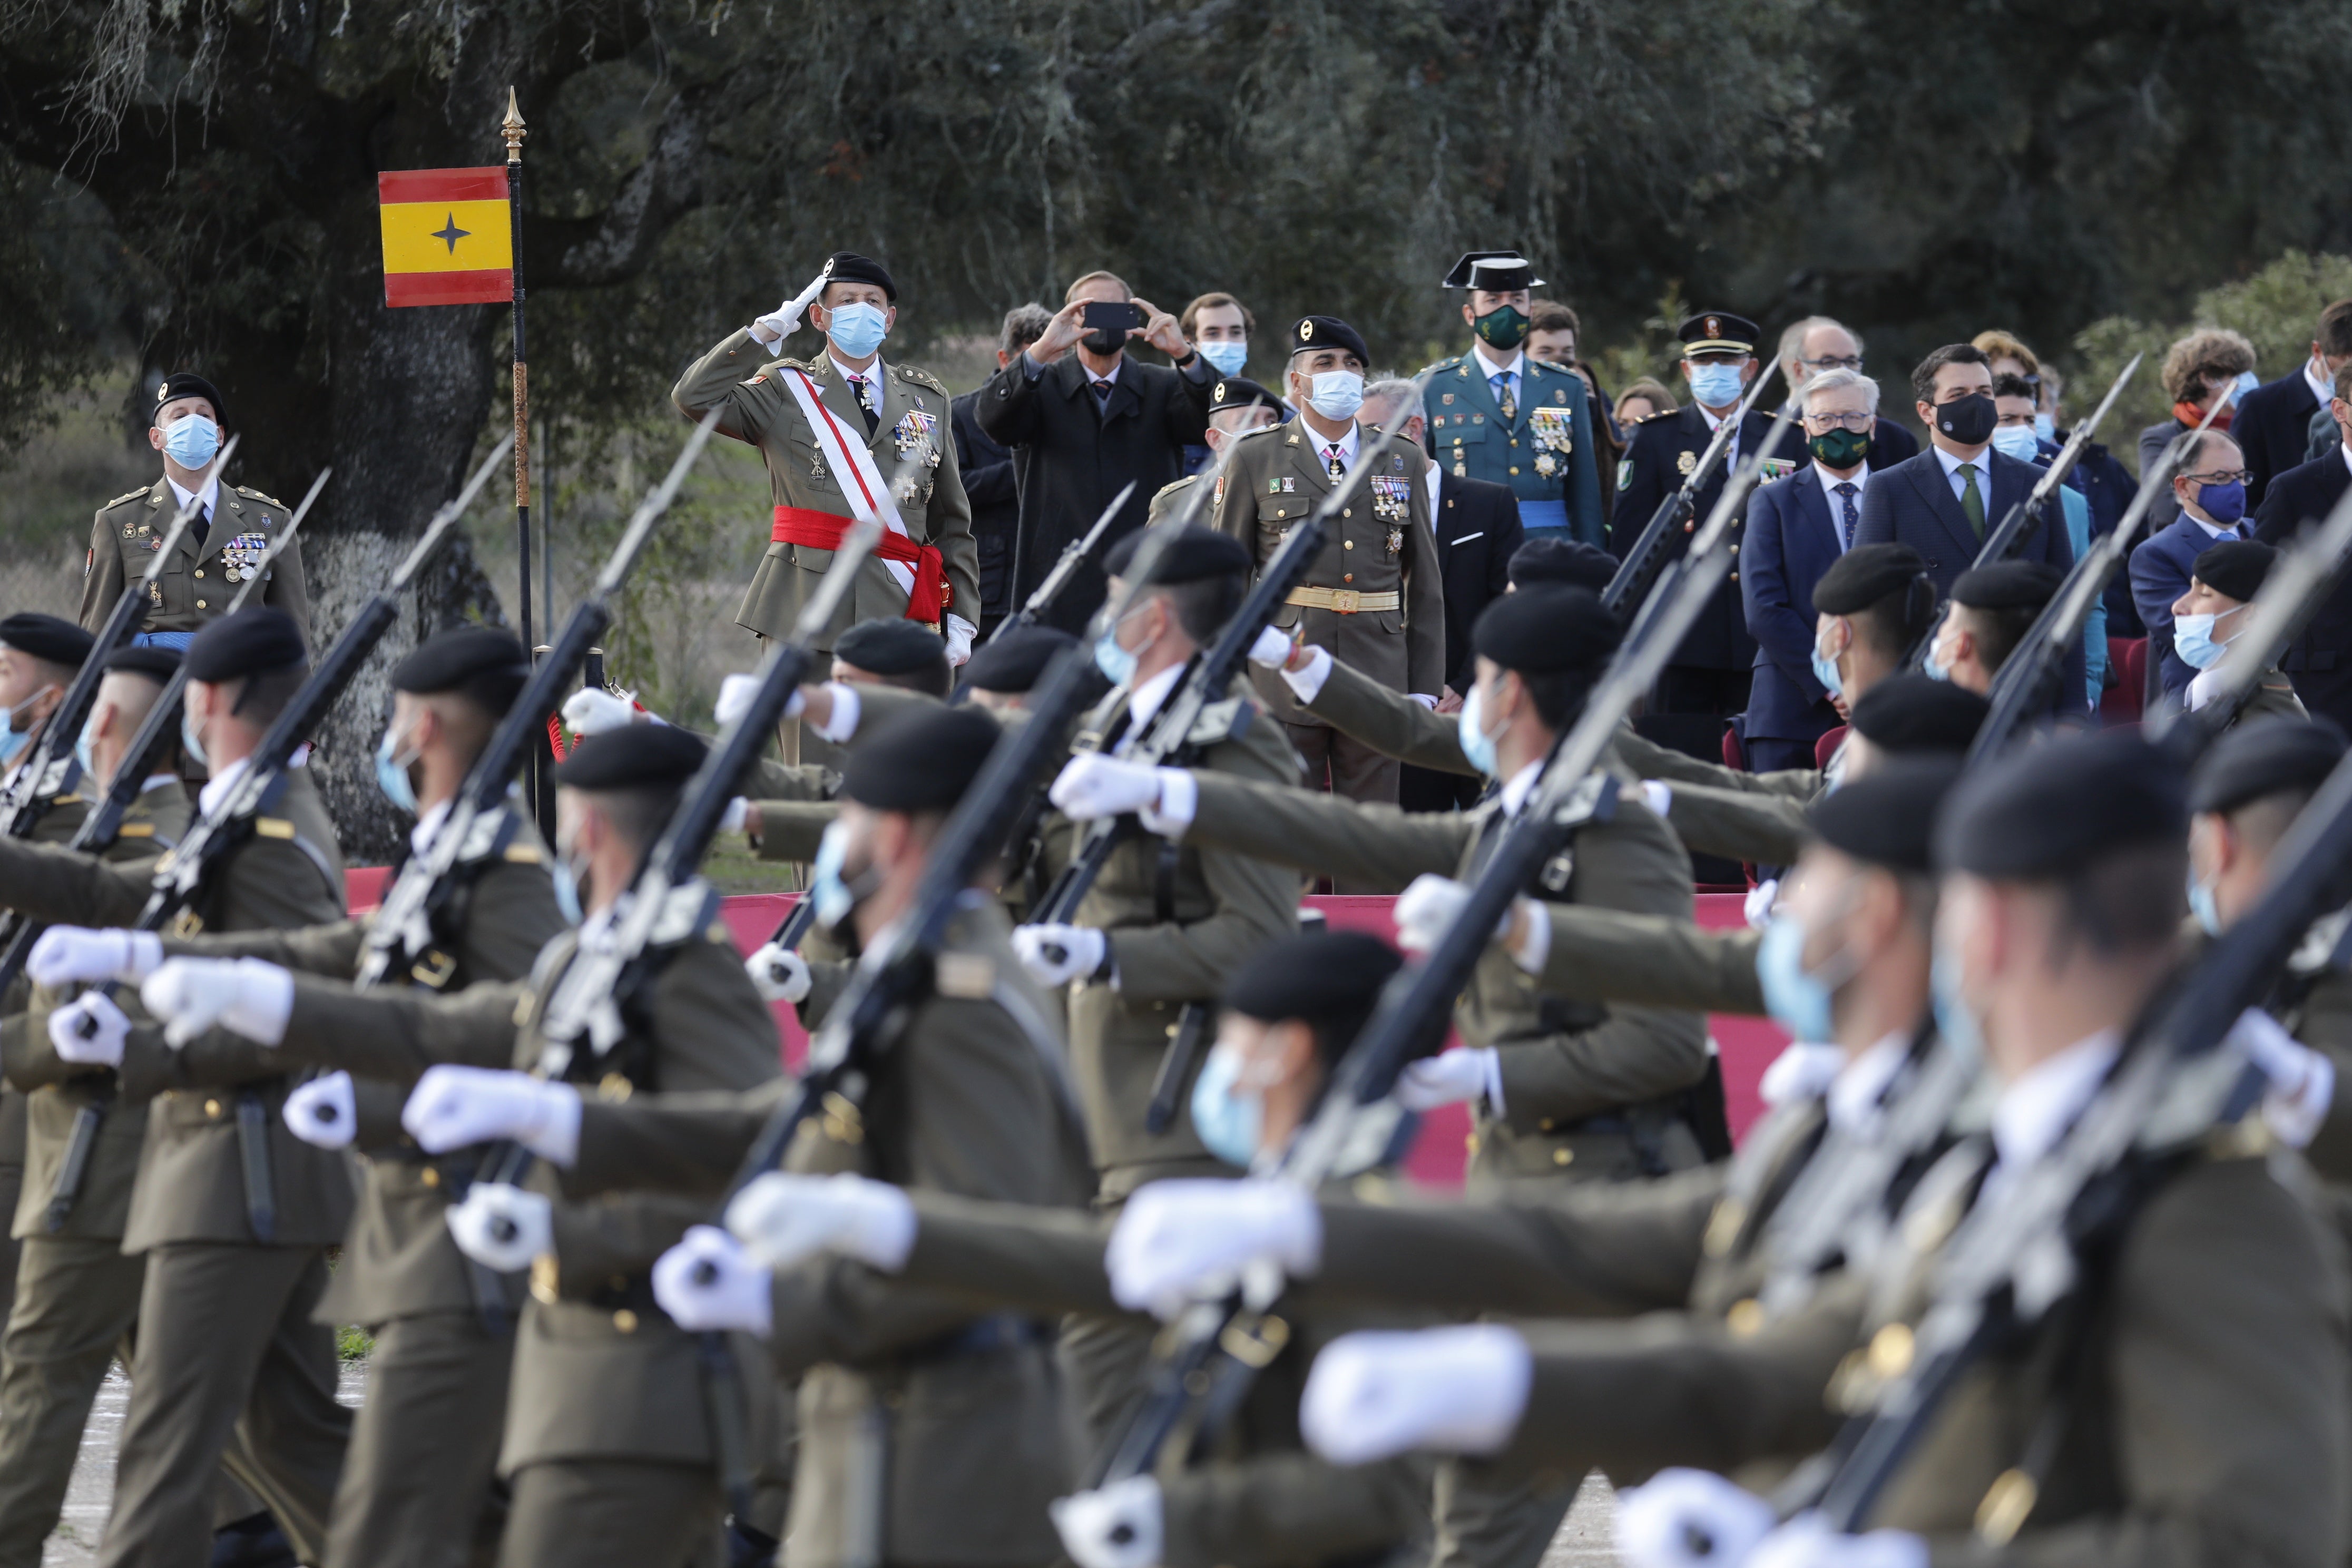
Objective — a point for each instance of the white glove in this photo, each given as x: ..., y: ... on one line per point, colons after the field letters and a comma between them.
x: 1756, y: 909
x: 1272, y: 648
x: 960, y: 634
x: 592, y: 711
x: 243, y: 994
x: 1449, y: 1078
x: 2302, y: 1081
x: 1178, y: 1239
x: 1116, y: 1526
x: 1457, y: 1391
x: 66, y: 954
x: 1428, y: 908
x: 1092, y: 786
x: 454, y: 1106
x: 1659, y: 796
x: 735, y: 694
x: 1425, y: 698
x: 502, y: 1227
x: 705, y: 1283
x: 778, y: 974
x: 731, y: 819
x: 771, y: 330
x: 89, y: 1030
x: 1806, y: 1543
x: 324, y: 1112
x: 1689, y: 1519
x: 782, y: 1219
x: 1804, y: 1071
x: 1081, y: 951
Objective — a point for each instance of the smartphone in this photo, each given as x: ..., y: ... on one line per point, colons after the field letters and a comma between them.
x: 1112, y: 315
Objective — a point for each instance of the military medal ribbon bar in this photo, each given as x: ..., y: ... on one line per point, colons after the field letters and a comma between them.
x: 448, y: 236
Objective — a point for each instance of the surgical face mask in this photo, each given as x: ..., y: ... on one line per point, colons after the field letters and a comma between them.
x: 392, y: 772
x: 1478, y: 746
x: 1936, y: 665
x: 1227, y: 1117
x: 1226, y: 358
x: 2247, y: 382
x: 567, y: 891
x: 2045, y: 428
x: 1798, y: 1001
x: 1968, y: 420
x: 2201, y: 904
x: 12, y: 741
x: 2017, y: 441
x: 1504, y: 328
x: 1825, y: 670
x: 1954, y: 1019
x: 1714, y: 384
x: 857, y: 330
x: 2225, y: 504
x: 834, y: 900
x: 1118, y: 664
x: 191, y: 440
x: 83, y: 743
x: 2193, y: 640
x: 1337, y: 393
x: 190, y: 742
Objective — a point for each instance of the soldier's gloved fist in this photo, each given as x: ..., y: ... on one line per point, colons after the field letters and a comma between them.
x: 1659, y: 796
x: 1057, y: 954
x: 66, y: 954
x: 1449, y: 1078
x: 735, y: 694
x: 502, y: 1227
x: 779, y: 974
x: 960, y: 634
x: 2303, y: 1082
x: 1118, y: 1526
x: 1805, y: 1542
x: 454, y: 1106
x: 1427, y: 909
x: 707, y: 1282
x: 738, y: 812
x: 1457, y: 1391
x: 1095, y: 785
x: 782, y: 1219
x: 1756, y: 909
x: 1689, y: 1519
x: 324, y: 1112
x: 245, y: 995
x: 89, y: 1030
x: 1178, y: 1239
x: 1272, y: 648
x: 590, y: 711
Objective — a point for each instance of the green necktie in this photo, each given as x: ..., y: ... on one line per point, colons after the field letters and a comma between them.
x: 1971, y: 501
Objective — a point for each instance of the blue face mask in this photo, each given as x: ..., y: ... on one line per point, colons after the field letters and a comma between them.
x: 1226, y: 1118
x: 1799, y: 1002
x: 1934, y: 665
x: 1477, y: 746
x: 2202, y: 905
x: 1227, y: 358
x: 1116, y: 664
x: 2247, y: 382
x: 83, y: 743
x: 190, y: 742
x: 12, y: 741
x: 567, y: 891
x: 1954, y: 1021
x: 2192, y: 640
x: 1825, y: 670
x: 2017, y: 441
x: 2045, y: 428
x: 392, y: 774
x: 1337, y: 393
x: 857, y: 330
x: 1716, y: 386
x: 191, y: 440
x: 834, y: 898
x: 2225, y: 504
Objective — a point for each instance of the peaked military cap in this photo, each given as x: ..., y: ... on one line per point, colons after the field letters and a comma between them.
x: 2236, y: 567
x: 1546, y: 630
x: 1717, y: 331
x: 1889, y: 817
x: 1239, y: 392
x: 2007, y: 585
x: 1194, y: 553
x: 1310, y: 332
x: 1555, y: 558
x: 1011, y: 663
x: 1496, y: 271
x: 1330, y: 980
x: 634, y: 756
x: 920, y: 760
x: 187, y: 383
x: 848, y: 267
x: 890, y: 645
x: 156, y: 663
x: 2056, y: 809
x: 254, y: 641
x: 50, y: 639
x: 2265, y: 757
x: 1919, y: 713
x: 1865, y: 574
x: 482, y: 664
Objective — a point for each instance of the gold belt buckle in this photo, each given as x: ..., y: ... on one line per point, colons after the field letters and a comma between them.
x: 1344, y: 600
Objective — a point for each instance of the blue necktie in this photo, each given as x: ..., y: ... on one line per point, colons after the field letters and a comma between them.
x: 1501, y: 381
x: 1845, y: 499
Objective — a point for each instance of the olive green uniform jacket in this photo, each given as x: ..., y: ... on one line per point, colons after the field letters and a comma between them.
x: 739, y: 377
x: 1604, y: 955
x: 198, y: 582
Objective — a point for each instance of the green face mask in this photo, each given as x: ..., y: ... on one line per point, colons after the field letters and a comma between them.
x: 1839, y: 448
x: 1503, y: 328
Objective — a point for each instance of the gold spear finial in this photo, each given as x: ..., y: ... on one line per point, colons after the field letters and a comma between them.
x: 512, y: 126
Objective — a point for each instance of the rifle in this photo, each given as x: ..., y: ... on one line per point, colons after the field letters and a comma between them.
x: 1214, y: 1349
x: 1645, y: 559
x: 1072, y: 556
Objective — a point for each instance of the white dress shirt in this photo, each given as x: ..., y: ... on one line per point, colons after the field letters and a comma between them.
x: 210, y: 499
x: 870, y: 378
x: 1983, y: 461
x: 2034, y: 1111
x: 1488, y: 367
x: 1347, y: 444
x: 1854, y: 1103
x: 1830, y: 482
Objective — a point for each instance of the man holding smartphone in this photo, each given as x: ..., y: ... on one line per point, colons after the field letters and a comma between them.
x: 1083, y: 419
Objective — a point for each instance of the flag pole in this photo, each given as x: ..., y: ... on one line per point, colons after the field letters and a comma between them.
x: 514, y: 130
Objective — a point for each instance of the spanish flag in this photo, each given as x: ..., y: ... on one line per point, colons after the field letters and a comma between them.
x: 447, y: 238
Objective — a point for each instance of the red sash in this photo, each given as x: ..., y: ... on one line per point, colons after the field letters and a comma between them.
x: 932, y: 596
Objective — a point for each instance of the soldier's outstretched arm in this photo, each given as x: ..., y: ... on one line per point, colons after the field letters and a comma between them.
x: 394, y: 1033
x: 1282, y: 823
x: 1740, y: 824
x: 1613, y: 956
x: 331, y: 950
x: 66, y: 886
x: 1013, y: 1256
x: 1384, y: 719
x: 691, y: 1143
x: 1274, y: 1510
x: 1647, y: 759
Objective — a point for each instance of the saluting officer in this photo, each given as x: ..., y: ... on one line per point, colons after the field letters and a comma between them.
x: 1499, y: 415
x: 1376, y: 594
x: 231, y: 530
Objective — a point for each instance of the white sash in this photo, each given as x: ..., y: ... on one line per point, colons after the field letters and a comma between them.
x: 867, y: 492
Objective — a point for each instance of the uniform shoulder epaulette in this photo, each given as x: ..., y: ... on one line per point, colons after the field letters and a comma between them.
x: 1447, y: 363
x: 1261, y: 430
x: 1661, y: 414
x: 139, y: 494
x: 249, y: 493
x: 807, y: 367
x: 919, y: 378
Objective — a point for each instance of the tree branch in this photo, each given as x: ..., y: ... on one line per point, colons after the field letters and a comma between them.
x: 614, y: 245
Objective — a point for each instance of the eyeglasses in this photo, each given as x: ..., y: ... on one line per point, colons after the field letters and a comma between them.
x: 1832, y: 362
x: 1827, y: 422
x: 2222, y: 477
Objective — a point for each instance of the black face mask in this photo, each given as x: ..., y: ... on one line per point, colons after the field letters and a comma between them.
x: 1968, y: 420
x: 1105, y: 342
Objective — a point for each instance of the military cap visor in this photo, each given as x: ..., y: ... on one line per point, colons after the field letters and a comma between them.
x: 1014, y: 662
x: 635, y: 756
x: 2266, y: 757
x: 848, y: 267
x: 1328, y: 980
x: 890, y: 646
x: 2236, y: 568
x: 1239, y: 392
x: 2007, y: 585
x: 1889, y: 817
x: 187, y: 383
x: 921, y: 760
x: 1192, y: 555
x: 1551, y: 558
x: 1549, y: 629
x: 1908, y: 713
x: 49, y: 638
x: 482, y: 663
x: 1496, y: 271
x: 255, y: 641
x: 1717, y: 331
x: 155, y: 663
x: 1863, y: 576
x: 1311, y: 332
x: 2054, y: 810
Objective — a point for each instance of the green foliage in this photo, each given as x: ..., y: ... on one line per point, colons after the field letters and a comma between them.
x: 353, y: 1345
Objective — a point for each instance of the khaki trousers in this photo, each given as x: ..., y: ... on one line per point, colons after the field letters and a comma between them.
x: 417, y: 1484
x: 77, y: 1303
x: 614, y: 1513
x: 1486, y: 1521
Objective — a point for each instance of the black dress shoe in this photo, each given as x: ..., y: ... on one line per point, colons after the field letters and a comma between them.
x: 747, y: 1547
x: 253, y: 1542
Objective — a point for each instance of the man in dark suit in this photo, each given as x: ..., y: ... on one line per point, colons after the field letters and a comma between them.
x: 2209, y: 485
x: 1083, y: 419
x: 1797, y: 528
x: 986, y: 465
x: 2319, y: 662
x: 1944, y: 502
x: 2273, y: 423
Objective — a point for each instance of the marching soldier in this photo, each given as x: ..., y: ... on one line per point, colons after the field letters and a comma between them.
x: 232, y: 529
x: 1499, y: 415
x: 1375, y: 596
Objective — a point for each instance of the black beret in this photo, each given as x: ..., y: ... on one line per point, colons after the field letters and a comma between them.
x: 1918, y: 713
x: 1888, y: 818
x: 187, y: 383
x: 1310, y: 332
x: 1496, y: 271
x: 149, y: 659
x: 1014, y: 662
x: 1330, y: 979
x: 2007, y: 585
x: 1556, y: 558
x: 633, y: 756
x: 1711, y: 332
x: 1239, y: 392
x: 2236, y: 567
x: 890, y: 645
x: 1194, y: 554
x: 1864, y: 575
x: 848, y: 267
x: 2055, y: 809
x: 50, y: 639
x: 1546, y: 630
x: 920, y: 760
x: 253, y: 641
x: 482, y: 664
x: 2265, y: 758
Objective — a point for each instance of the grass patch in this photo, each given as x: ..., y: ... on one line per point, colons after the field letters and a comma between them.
x: 353, y: 1345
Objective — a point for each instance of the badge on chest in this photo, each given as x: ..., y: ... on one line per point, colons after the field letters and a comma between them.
x: 1553, y: 431
x: 242, y: 555
x: 1392, y: 504
x: 916, y: 431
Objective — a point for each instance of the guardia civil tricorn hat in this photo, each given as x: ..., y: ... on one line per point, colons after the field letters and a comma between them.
x: 1496, y: 271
